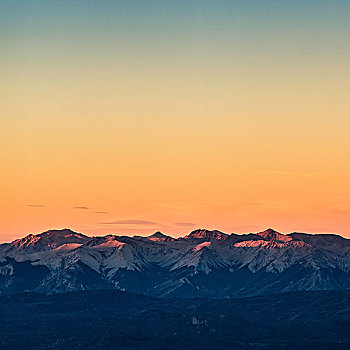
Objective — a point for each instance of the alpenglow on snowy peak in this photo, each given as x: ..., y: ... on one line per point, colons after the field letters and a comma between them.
x: 204, y: 263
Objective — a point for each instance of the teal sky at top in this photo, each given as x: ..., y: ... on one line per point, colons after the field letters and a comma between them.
x: 174, y: 31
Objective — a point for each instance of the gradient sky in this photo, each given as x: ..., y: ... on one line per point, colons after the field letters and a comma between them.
x: 136, y: 116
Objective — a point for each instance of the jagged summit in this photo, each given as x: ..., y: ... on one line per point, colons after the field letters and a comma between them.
x: 47, y: 240
x: 107, y: 240
x: 206, y: 234
x: 269, y: 231
x: 272, y: 235
x: 160, y: 237
x: 66, y: 232
x: 158, y: 234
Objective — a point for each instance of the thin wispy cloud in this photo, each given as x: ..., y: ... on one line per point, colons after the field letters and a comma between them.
x: 36, y: 205
x: 129, y: 222
x: 184, y: 224
x: 80, y: 207
x: 100, y: 212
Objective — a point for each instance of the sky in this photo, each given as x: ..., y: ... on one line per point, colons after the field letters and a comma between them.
x: 129, y: 117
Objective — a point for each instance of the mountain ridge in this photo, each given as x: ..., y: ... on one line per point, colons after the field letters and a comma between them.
x: 204, y: 263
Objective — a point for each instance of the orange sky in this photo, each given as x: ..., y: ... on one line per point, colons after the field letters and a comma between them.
x: 174, y: 121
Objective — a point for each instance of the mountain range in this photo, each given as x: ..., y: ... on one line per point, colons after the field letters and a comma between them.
x: 204, y: 263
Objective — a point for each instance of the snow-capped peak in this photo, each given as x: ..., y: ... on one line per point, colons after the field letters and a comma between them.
x: 206, y: 234
x: 272, y: 235
x: 47, y: 240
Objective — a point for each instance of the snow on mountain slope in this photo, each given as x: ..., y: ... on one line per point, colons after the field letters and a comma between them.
x: 202, y: 258
x: 67, y: 247
x: 206, y: 262
x: 272, y: 235
x: 106, y: 255
x: 45, y: 241
x: 273, y: 256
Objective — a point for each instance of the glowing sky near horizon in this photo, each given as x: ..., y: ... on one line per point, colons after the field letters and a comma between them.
x: 129, y: 117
